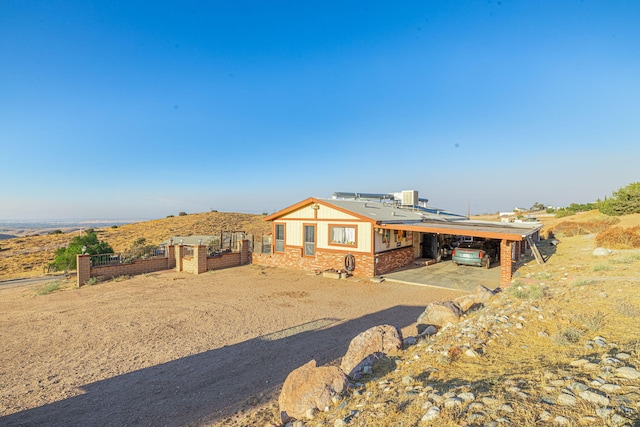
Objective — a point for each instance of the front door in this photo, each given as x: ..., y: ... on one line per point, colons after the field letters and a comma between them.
x: 309, y: 240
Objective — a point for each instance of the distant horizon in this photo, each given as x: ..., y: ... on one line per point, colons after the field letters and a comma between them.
x: 124, y: 220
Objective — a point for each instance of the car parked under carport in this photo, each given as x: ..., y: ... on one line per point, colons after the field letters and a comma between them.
x: 480, y: 253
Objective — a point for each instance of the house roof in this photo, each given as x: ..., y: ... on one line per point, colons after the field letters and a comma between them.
x: 379, y: 212
x: 485, y: 229
x: 394, y: 217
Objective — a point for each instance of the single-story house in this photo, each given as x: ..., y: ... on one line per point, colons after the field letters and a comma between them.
x: 372, y: 236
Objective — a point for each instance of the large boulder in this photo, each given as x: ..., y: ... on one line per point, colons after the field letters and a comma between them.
x: 310, y: 388
x: 602, y: 252
x: 440, y: 313
x: 369, y: 346
x: 480, y: 295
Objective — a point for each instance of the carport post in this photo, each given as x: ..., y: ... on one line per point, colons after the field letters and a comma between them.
x: 83, y: 263
x: 506, y: 264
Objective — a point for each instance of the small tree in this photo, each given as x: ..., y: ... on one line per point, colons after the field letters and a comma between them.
x: 65, y: 257
x: 623, y: 202
x: 537, y: 206
x: 140, y: 248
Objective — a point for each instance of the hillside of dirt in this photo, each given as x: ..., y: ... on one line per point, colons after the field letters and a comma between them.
x: 28, y: 256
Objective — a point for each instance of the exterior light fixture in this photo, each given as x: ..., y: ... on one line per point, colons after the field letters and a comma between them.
x: 84, y: 250
x: 181, y: 241
x: 199, y: 242
x: 171, y: 241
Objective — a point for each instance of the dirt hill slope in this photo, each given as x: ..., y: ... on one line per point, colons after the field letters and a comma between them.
x: 27, y: 256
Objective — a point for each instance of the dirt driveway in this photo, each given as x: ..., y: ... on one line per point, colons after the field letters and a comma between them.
x: 176, y: 349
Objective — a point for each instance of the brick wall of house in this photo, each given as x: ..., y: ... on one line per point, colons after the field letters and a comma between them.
x: 323, y: 260
x: 392, y: 260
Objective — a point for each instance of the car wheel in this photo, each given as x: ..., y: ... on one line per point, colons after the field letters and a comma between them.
x: 487, y: 262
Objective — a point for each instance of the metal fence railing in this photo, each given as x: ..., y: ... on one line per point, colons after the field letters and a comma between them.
x: 127, y: 257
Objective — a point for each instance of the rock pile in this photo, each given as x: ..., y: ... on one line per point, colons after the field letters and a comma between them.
x: 605, y: 379
x: 309, y: 388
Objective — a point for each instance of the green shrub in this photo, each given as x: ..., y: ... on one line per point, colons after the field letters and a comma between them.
x: 182, y: 214
x: 623, y: 202
x: 65, y: 257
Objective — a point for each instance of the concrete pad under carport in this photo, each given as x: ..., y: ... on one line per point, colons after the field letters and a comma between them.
x: 447, y: 275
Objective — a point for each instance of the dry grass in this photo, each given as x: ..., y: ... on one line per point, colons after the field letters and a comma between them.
x: 28, y: 256
x: 574, y: 310
x: 523, y: 359
x: 619, y: 238
x: 577, y: 228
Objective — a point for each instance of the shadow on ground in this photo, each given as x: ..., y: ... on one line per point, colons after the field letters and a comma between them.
x: 206, y: 386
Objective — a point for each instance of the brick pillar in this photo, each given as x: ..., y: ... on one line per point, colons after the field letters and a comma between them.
x: 200, y: 255
x: 83, y: 269
x: 171, y: 256
x: 179, y: 253
x: 244, y: 252
x: 506, y: 264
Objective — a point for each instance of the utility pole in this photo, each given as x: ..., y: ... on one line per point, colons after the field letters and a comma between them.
x: 468, y: 209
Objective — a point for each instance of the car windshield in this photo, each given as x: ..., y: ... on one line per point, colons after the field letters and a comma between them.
x: 472, y: 245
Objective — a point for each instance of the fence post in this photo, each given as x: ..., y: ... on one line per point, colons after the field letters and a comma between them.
x: 244, y: 252
x: 179, y: 254
x: 200, y: 255
x: 84, y: 268
x: 171, y: 256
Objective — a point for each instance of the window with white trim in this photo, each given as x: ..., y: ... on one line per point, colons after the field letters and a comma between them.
x: 342, y: 235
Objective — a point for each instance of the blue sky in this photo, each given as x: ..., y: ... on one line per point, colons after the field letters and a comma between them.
x: 144, y: 109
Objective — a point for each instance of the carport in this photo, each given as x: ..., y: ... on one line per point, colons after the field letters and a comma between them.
x: 514, y: 238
